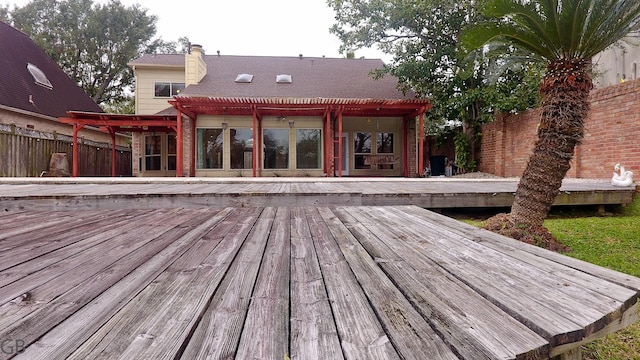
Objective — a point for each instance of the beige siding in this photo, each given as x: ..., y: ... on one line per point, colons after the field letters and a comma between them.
x: 146, y: 102
x: 47, y: 125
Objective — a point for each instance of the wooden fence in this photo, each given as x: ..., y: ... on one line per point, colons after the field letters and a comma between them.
x: 24, y: 156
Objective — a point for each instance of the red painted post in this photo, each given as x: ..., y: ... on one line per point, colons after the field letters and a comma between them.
x: 179, y: 144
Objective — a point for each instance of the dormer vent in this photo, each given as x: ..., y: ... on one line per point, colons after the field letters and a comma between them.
x: 244, y: 78
x: 283, y: 79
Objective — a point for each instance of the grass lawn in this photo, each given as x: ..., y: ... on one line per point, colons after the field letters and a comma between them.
x: 611, y: 241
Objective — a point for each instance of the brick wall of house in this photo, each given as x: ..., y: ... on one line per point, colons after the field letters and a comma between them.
x: 612, y: 135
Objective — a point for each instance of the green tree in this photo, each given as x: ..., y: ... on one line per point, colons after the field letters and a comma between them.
x: 91, y: 42
x: 564, y: 35
x: 423, y: 38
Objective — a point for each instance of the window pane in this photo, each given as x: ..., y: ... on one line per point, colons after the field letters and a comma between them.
x: 163, y: 89
x: 308, y: 148
x: 362, y: 142
x: 176, y: 88
x: 171, y: 143
x: 241, y: 141
x: 385, y: 143
x: 152, y: 162
x: 152, y: 145
x: 209, y: 148
x: 171, y: 162
x: 276, y: 148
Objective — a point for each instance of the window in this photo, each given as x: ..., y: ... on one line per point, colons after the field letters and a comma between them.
x: 209, y: 148
x: 167, y: 89
x: 39, y: 76
x: 152, y: 152
x: 384, y: 145
x: 276, y: 148
x: 362, y: 149
x: 308, y: 148
x: 241, y: 144
x: 171, y: 151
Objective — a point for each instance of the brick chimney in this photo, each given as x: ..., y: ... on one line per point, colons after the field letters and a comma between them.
x: 194, y: 67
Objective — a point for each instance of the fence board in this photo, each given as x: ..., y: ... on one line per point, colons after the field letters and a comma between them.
x: 24, y: 156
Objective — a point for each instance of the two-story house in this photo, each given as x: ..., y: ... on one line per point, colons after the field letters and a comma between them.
x: 274, y: 116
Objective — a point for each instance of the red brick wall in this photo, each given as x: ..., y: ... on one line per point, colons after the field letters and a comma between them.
x: 612, y: 135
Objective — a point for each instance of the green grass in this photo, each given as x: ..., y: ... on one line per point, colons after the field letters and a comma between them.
x: 612, y: 241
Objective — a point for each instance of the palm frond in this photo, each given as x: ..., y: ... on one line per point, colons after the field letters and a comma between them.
x: 554, y: 29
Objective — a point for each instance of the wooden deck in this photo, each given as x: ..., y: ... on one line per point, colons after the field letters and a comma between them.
x: 309, y: 282
x: 154, y: 193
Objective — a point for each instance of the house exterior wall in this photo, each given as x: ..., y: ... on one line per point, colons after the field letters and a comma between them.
x: 617, y: 64
x: 24, y: 120
x: 612, y: 131
x: 146, y: 102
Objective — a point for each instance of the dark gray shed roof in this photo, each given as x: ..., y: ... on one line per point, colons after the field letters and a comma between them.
x: 19, y: 90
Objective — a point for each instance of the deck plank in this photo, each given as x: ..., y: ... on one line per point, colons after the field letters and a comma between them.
x: 292, y: 282
x: 361, y: 333
x: 112, y: 289
x: 410, y: 333
x: 268, y: 315
x: 155, y: 324
x: 565, y: 311
x: 218, y: 333
x: 313, y: 330
x: 464, y: 319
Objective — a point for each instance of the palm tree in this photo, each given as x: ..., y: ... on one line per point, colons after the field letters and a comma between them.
x: 565, y: 34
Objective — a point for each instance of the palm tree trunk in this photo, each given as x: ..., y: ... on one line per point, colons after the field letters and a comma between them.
x: 565, y: 106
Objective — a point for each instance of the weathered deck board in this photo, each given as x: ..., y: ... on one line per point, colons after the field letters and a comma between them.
x: 457, y: 312
x: 560, y: 309
x: 218, y: 333
x: 266, y: 329
x: 111, y: 291
x: 313, y: 333
x: 105, y: 193
x: 300, y: 282
x: 411, y: 334
x: 361, y: 333
x: 167, y: 309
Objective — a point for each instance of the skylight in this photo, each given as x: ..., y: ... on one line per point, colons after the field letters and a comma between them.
x: 39, y: 76
x: 283, y: 79
x: 244, y: 78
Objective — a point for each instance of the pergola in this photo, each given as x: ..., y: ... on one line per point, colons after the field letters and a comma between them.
x: 257, y: 108
x: 113, y: 123
x: 327, y: 108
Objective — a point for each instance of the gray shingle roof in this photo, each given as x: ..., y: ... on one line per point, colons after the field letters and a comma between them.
x: 312, y: 77
x: 18, y: 88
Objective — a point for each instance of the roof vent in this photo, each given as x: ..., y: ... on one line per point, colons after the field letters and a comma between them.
x: 39, y: 76
x: 283, y: 79
x: 244, y: 78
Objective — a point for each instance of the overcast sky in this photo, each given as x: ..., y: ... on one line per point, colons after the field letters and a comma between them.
x: 247, y: 27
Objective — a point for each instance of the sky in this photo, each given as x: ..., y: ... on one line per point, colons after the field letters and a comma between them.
x: 247, y: 27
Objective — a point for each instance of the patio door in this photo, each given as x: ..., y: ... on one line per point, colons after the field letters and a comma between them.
x: 159, y: 157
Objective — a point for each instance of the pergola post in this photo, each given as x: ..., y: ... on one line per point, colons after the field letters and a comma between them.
x: 76, y: 128
x: 113, y: 151
x: 340, y: 142
x: 179, y: 149
x: 255, y: 141
x: 421, y: 144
